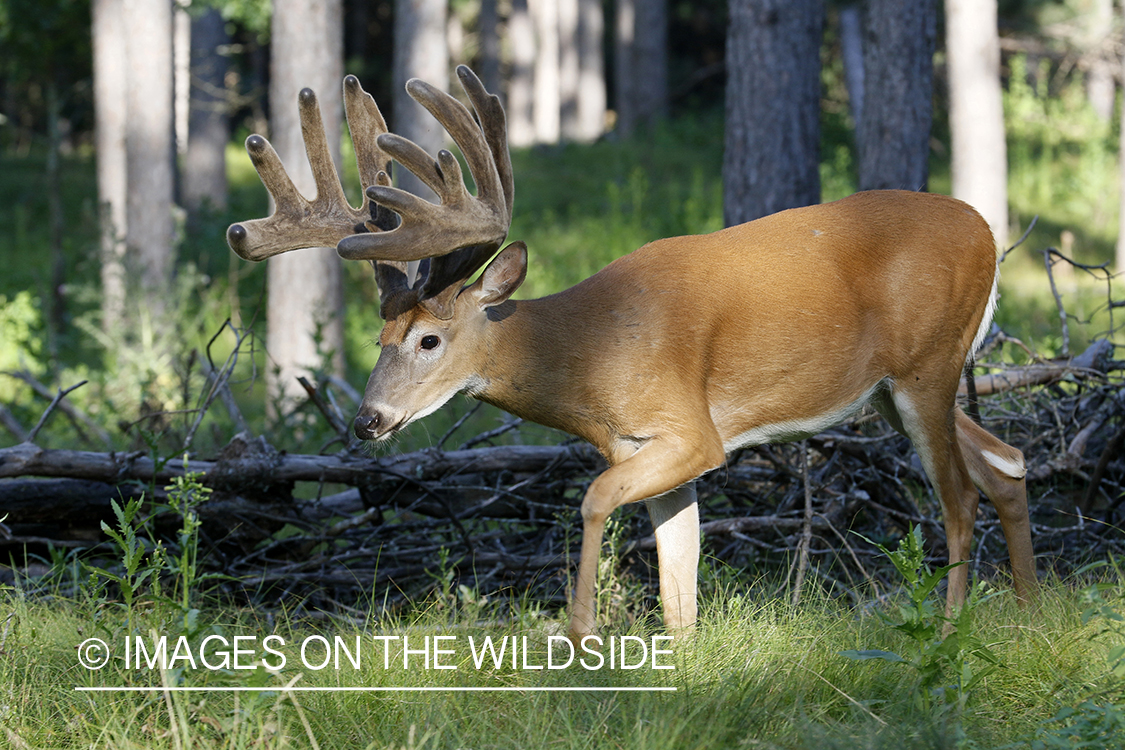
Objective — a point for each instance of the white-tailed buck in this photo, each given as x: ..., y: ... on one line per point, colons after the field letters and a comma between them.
x: 674, y: 355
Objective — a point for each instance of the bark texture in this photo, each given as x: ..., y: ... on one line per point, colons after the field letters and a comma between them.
x: 421, y: 51
x: 976, y: 111
x: 205, y: 175
x: 772, y: 148
x: 110, y: 90
x: 894, y: 135
x: 149, y: 145
x: 305, y: 309
x: 640, y: 63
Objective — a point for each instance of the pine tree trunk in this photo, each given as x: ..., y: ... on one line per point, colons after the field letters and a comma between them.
x: 420, y: 51
x: 851, y: 50
x: 591, y: 70
x: 305, y: 308
x: 976, y: 111
x: 650, y: 62
x: 490, y: 45
x: 771, y: 159
x: 521, y: 82
x: 181, y: 73
x: 624, y: 41
x: 149, y: 147
x: 55, y: 217
x: 898, y: 52
x: 546, y: 111
x: 205, y: 176
x: 1098, y: 43
x: 110, y: 90
x: 568, y: 68
x: 641, y: 63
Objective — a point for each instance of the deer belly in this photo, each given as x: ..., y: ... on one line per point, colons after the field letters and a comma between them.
x: 739, y: 429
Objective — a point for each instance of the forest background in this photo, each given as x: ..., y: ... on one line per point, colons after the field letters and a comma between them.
x: 117, y: 288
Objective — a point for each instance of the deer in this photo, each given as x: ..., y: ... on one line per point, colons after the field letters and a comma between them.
x: 674, y: 355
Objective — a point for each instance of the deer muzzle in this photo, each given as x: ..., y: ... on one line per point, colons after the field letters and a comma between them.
x: 373, y: 426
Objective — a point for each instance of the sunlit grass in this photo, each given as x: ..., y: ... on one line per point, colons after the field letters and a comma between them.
x: 757, y: 671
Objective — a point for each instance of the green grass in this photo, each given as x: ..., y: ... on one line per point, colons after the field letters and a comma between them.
x: 755, y: 674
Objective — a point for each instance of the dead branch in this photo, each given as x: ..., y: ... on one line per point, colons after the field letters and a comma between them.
x: 1094, y: 362
x: 76, y: 415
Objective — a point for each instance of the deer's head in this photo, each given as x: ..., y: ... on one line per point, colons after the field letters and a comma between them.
x: 433, y: 321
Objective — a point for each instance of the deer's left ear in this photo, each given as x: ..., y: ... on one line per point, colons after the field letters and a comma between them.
x: 502, y: 277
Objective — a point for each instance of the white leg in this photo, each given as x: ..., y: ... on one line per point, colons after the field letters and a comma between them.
x: 675, y: 518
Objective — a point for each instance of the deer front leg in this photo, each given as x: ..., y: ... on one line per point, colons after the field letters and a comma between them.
x: 661, y: 465
x: 675, y: 521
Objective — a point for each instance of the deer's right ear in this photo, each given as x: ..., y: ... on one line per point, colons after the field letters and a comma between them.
x: 502, y: 277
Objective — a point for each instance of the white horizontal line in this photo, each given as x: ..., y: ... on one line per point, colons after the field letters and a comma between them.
x: 282, y: 689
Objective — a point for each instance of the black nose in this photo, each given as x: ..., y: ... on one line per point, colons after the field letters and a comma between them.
x: 366, y: 427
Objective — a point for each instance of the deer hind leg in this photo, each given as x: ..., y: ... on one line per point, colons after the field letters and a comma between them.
x: 929, y: 423
x: 997, y: 469
x: 661, y: 465
x: 675, y: 520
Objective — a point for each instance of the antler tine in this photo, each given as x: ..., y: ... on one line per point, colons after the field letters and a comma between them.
x: 494, y: 124
x: 460, y: 221
x: 297, y: 222
x: 366, y: 123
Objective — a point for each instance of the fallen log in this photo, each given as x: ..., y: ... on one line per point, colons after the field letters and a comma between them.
x: 250, y: 475
x: 245, y: 463
x: 1094, y: 361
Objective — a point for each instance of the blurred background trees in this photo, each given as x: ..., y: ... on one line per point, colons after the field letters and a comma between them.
x: 122, y: 159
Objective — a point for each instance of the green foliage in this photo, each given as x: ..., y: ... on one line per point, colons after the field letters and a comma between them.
x: 135, y: 567
x: 253, y: 15
x: 1098, y: 720
x: 186, y: 493
x: 41, y: 38
x: 1062, y: 156
x: 21, y: 331
x: 949, y: 667
x: 756, y: 673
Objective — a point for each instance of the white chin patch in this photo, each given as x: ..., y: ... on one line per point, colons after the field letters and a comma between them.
x: 430, y: 409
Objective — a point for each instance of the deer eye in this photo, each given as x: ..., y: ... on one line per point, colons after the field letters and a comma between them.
x: 430, y: 342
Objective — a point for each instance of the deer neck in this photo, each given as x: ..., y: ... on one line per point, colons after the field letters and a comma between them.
x: 535, y: 364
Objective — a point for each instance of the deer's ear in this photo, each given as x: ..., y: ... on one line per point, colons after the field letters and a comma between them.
x: 502, y: 277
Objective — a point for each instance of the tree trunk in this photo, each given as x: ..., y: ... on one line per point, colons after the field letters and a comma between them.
x: 591, y: 70
x: 771, y: 157
x: 568, y: 68
x: 545, y: 15
x: 650, y: 62
x: 521, y: 82
x: 148, y: 145
x: 181, y: 73
x: 1098, y: 44
x: 624, y: 40
x: 976, y: 111
x: 490, y: 45
x: 420, y: 51
x: 55, y: 216
x: 641, y: 63
x: 898, y: 52
x: 205, y: 167
x: 110, y: 89
x: 305, y: 309
x: 851, y: 50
